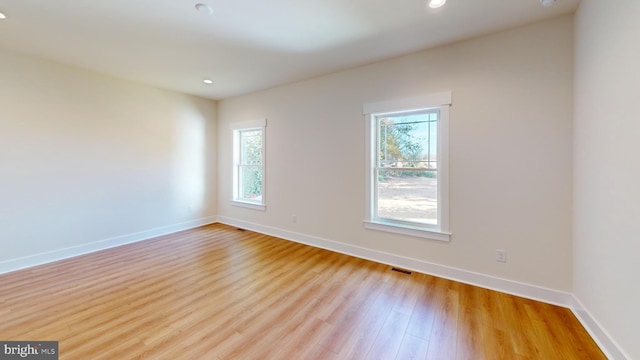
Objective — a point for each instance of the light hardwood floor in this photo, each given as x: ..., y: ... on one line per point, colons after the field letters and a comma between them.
x: 220, y: 293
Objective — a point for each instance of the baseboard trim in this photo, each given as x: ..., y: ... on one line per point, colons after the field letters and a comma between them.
x: 60, y: 254
x: 606, y: 343
x: 468, y: 277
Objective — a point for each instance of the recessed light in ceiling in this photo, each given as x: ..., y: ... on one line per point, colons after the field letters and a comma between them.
x: 434, y: 4
x: 207, y: 81
x: 2, y: 16
x: 204, y: 9
x: 547, y: 3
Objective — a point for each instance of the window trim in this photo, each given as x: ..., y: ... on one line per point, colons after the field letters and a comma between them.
x: 259, y: 124
x: 438, y: 100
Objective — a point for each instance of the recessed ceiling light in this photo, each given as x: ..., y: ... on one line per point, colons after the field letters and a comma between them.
x: 547, y: 3
x: 2, y: 16
x: 207, y: 81
x: 204, y: 9
x: 434, y: 4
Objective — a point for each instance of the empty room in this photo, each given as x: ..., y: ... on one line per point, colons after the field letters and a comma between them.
x: 376, y: 179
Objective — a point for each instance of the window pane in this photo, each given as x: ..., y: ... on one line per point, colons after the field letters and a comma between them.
x: 250, y: 183
x: 408, y: 140
x: 251, y: 147
x: 408, y: 196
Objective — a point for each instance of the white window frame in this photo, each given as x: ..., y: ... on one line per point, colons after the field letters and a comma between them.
x: 440, y: 231
x: 237, y: 128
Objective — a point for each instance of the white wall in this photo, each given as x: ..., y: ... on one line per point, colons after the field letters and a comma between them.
x: 606, y: 167
x: 511, y: 145
x: 87, y: 158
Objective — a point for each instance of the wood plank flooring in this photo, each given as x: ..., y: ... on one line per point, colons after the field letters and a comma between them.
x: 220, y: 293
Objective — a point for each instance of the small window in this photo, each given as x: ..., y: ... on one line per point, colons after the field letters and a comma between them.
x: 248, y: 164
x: 407, y: 166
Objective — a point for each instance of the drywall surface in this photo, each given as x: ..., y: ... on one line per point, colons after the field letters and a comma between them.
x: 85, y: 157
x: 510, y: 154
x: 606, y: 168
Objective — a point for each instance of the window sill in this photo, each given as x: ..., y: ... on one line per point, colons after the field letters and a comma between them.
x: 408, y: 230
x: 248, y: 205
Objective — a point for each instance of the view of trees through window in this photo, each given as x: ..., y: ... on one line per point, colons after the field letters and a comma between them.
x: 250, y: 167
x: 407, y: 166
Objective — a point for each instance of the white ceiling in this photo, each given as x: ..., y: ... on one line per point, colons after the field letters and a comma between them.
x: 246, y: 45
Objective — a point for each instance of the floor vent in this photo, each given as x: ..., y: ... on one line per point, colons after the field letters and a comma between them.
x: 239, y: 229
x: 404, y: 271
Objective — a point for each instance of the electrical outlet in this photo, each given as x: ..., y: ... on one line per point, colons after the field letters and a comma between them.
x: 294, y: 219
x: 501, y: 255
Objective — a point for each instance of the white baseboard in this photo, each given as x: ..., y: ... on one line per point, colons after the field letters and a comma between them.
x: 606, y: 343
x: 55, y: 255
x: 468, y: 277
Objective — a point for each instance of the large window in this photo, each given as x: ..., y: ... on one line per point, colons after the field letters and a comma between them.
x: 248, y: 164
x: 407, y: 166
